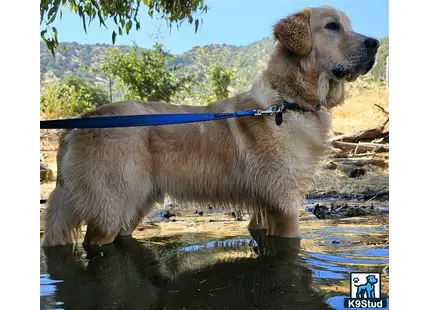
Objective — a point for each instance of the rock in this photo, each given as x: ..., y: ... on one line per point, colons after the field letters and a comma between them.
x: 163, y: 213
x: 356, y: 211
x: 344, y: 211
x: 352, y: 171
x: 237, y: 215
x: 330, y: 166
x: 198, y: 212
x: 320, y: 211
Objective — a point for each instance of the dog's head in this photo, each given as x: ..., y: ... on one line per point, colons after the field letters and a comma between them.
x: 372, y: 279
x: 324, y: 37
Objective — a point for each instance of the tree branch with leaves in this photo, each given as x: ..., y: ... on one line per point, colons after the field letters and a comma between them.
x: 123, y: 13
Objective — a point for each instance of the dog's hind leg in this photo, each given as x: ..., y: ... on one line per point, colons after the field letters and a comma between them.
x: 105, y: 209
x: 111, y: 211
x: 144, y: 206
x: 131, y: 226
x: 97, y: 235
x: 134, y: 222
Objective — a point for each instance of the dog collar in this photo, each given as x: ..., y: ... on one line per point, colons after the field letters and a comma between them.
x: 295, y: 107
x: 279, y: 109
x: 292, y: 106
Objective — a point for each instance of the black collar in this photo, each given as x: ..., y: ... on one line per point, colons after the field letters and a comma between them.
x: 295, y: 107
x: 292, y: 107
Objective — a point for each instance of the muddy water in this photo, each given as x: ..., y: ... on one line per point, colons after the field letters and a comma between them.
x: 201, y: 270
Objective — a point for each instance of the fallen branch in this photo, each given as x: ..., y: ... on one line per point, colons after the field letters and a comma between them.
x: 368, y: 134
x: 373, y: 155
x: 360, y: 147
x: 361, y: 161
x: 385, y: 110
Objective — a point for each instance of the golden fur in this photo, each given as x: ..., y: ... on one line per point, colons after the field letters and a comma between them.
x: 111, y: 178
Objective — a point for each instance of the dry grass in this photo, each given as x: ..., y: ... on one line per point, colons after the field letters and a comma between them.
x: 332, y: 181
x: 358, y: 112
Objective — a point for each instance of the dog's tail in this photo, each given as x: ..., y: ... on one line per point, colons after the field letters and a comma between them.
x: 60, y: 225
x: 58, y: 222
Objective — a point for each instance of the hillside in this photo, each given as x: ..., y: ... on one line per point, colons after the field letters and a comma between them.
x: 80, y: 59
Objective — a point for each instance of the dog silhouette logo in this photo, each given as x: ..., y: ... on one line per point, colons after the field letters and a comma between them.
x: 365, y: 291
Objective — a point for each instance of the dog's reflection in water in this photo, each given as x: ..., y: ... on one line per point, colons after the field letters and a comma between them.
x: 128, y: 275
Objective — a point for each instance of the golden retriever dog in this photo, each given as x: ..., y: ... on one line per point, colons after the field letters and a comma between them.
x: 110, y: 178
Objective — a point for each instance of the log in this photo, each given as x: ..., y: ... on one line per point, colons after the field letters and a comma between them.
x: 368, y: 134
x: 361, y: 161
x: 370, y: 155
x: 360, y: 147
x: 383, y: 139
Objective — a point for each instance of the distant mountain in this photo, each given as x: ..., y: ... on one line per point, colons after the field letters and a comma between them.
x: 80, y: 59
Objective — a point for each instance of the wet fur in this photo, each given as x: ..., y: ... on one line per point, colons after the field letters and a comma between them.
x: 110, y: 179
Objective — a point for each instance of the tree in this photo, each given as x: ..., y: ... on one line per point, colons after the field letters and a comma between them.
x: 218, y: 74
x: 70, y: 97
x: 220, y: 79
x: 144, y: 72
x: 123, y: 13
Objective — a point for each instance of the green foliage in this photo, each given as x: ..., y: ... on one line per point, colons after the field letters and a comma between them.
x: 94, y: 94
x: 378, y: 71
x: 70, y: 97
x: 244, y: 61
x: 123, y: 13
x: 214, y: 75
x: 145, y: 74
x: 220, y: 78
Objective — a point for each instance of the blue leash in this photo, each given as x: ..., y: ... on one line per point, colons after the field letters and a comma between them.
x: 148, y: 120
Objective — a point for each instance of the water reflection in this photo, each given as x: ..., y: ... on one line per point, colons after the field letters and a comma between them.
x: 259, y: 273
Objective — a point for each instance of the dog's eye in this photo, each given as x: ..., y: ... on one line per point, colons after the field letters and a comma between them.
x: 332, y: 26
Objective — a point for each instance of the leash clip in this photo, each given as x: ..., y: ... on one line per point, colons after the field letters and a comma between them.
x: 271, y: 110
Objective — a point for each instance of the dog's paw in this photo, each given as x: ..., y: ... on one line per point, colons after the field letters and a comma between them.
x: 356, y: 280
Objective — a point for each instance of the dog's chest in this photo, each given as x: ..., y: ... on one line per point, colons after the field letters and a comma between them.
x: 302, y: 137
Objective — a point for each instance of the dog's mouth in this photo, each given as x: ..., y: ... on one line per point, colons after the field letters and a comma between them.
x: 369, y: 65
x: 350, y: 74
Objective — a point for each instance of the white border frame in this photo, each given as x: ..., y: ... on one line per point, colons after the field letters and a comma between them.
x: 409, y: 105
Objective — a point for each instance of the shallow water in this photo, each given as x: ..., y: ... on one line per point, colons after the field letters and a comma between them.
x: 199, y: 271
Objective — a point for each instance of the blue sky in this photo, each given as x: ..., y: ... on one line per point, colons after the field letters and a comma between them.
x: 235, y: 22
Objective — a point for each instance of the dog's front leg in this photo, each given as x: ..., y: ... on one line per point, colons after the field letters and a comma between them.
x: 283, y: 224
x: 258, y: 221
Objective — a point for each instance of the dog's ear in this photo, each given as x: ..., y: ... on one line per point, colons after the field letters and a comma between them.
x: 294, y: 32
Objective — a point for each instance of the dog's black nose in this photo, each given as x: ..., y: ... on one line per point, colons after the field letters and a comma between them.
x: 371, y: 43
